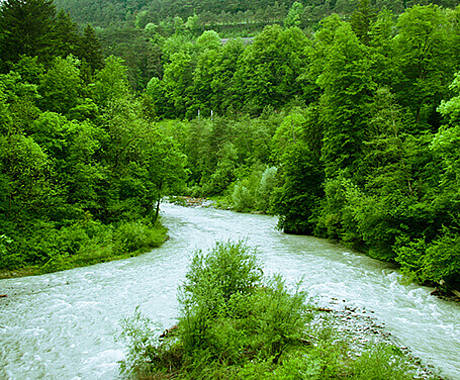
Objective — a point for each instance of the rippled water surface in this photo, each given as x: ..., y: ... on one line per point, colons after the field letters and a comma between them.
x: 63, y: 325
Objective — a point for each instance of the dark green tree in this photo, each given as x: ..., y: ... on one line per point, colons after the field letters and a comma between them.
x: 65, y: 35
x: 89, y: 51
x: 27, y: 29
x: 362, y: 19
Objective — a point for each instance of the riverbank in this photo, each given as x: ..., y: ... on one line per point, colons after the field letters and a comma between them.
x: 128, y: 240
x: 361, y: 331
x: 187, y: 201
x: 62, y: 324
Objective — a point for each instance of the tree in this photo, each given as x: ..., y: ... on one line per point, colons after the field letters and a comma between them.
x: 294, y: 15
x: 19, y: 100
x: 61, y: 86
x: 27, y: 29
x: 383, y: 67
x: 269, y: 69
x: 362, y: 20
x: 111, y: 83
x: 426, y: 56
x: 445, y: 146
x: 65, y: 35
x: 347, y: 87
x: 226, y: 65
x: 89, y: 50
x: 297, y: 198
x: 24, y: 178
x: 178, y: 82
x: 203, y: 77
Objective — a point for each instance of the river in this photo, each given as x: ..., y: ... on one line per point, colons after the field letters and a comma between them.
x: 63, y: 325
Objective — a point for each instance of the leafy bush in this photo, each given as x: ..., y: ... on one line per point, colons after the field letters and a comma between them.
x: 254, y: 191
x: 265, y: 189
x: 235, y: 324
x: 230, y: 268
x: 134, y: 236
x: 82, y: 243
x: 6, y: 259
x: 381, y: 362
x: 242, y: 198
x: 438, y: 260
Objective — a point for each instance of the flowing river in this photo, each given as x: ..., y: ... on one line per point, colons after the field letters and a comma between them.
x: 64, y: 325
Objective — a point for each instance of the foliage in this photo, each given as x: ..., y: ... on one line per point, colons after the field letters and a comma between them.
x: 358, y: 158
x: 345, y: 126
x: 255, y: 191
x: 236, y: 324
x: 82, y: 171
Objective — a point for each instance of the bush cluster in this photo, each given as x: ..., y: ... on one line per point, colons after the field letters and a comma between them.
x: 237, y: 324
x: 51, y: 249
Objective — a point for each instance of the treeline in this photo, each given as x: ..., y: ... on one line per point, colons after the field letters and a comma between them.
x: 137, y: 30
x: 104, y: 13
x: 351, y: 133
x: 81, y: 171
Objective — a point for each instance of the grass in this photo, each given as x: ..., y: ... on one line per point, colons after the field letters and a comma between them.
x: 83, y: 246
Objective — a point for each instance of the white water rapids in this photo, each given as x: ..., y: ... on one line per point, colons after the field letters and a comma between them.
x: 63, y: 325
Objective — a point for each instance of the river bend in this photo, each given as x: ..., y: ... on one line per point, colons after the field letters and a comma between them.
x: 63, y: 325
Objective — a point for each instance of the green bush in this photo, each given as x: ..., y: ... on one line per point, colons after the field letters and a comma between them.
x: 6, y: 258
x: 242, y: 198
x: 381, y: 362
x: 85, y: 242
x: 134, y: 236
x: 235, y: 324
x: 438, y: 260
x: 265, y: 189
x: 212, y: 278
x: 253, y: 192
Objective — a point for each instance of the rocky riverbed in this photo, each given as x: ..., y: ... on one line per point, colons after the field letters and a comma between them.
x: 361, y: 328
x: 187, y: 201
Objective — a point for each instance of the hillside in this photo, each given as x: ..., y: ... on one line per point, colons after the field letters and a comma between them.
x: 211, y: 12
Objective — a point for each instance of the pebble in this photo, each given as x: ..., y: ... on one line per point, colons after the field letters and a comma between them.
x: 363, y: 329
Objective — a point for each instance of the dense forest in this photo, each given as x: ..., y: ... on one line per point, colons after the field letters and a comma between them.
x: 347, y: 129
x: 349, y: 133
x: 81, y: 170
x: 136, y: 30
x: 212, y: 13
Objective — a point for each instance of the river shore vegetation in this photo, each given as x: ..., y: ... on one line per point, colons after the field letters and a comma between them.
x: 236, y: 323
x: 345, y: 124
x: 81, y: 170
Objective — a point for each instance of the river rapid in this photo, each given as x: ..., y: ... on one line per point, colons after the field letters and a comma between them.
x: 63, y: 325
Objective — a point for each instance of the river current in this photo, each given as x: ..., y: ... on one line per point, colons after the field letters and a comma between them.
x: 63, y: 325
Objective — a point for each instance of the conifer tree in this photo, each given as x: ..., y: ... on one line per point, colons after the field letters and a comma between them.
x: 66, y: 35
x: 90, y: 50
x: 26, y: 27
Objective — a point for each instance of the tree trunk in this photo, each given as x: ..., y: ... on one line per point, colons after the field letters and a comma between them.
x: 157, y: 211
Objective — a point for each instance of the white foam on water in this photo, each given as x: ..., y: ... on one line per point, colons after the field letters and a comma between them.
x: 63, y: 325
